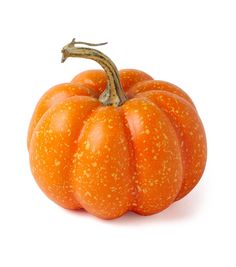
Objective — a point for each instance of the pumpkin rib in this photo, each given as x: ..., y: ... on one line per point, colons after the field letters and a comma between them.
x: 158, y: 85
x: 131, y: 77
x: 65, y: 189
x: 143, y: 94
x: 162, y: 91
x: 167, y: 117
x: 192, y: 142
x: 167, y: 93
x: 33, y: 127
x: 57, y: 92
x: 95, y: 79
x: 100, y: 180
x: 155, y: 192
x: 76, y: 153
x: 182, y: 165
x: 174, y: 95
x: 80, y: 132
x: 132, y: 156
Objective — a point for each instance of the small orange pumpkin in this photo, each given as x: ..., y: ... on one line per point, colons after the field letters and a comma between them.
x: 110, y: 141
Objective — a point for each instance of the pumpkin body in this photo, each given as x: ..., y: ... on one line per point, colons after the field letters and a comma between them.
x: 140, y: 156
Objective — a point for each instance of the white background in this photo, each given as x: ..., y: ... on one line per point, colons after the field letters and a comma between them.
x: 189, y: 43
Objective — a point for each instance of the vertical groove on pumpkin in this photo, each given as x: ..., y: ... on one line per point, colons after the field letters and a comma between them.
x: 80, y: 132
x: 193, y: 115
x: 177, y: 136
x: 128, y: 134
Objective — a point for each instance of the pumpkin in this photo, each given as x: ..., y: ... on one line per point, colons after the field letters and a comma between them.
x: 114, y: 141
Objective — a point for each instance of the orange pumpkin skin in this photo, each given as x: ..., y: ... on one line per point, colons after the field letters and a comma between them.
x: 97, y: 79
x: 140, y: 156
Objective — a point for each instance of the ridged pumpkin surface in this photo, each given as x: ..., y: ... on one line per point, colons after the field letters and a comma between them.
x: 140, y: 156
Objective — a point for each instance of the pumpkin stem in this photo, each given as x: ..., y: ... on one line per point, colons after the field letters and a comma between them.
x: 114, y: 94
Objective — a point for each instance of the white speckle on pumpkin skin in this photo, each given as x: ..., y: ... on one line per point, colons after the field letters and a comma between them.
x: 87, y: 193
x: 57, y: 162
x: 94, y: 164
